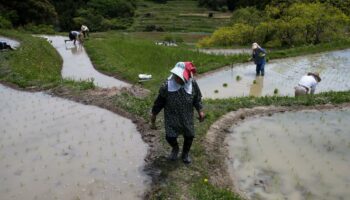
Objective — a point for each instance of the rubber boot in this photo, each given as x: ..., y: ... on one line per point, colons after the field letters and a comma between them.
x: 175, y: 148
x: 186, y: 149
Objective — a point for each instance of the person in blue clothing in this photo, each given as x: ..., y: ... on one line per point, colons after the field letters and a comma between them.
x: 258, y: 55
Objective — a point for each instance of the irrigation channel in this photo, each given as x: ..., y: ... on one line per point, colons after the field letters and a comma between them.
x: 11, y: 42
x: 293, y: 155
x: 77, y: 64
x: 282, y: 74
x: 52, y: 148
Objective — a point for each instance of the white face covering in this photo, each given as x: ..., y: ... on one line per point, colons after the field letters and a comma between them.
x: 173, y: 86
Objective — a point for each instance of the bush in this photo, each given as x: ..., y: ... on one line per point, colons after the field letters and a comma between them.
x: 39, y: 29
x: 285, y: 25
x: 4, y: 23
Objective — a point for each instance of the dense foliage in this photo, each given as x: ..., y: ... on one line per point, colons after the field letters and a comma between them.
x: 19, y: 12
x: 276, y: 26
x: 67, y: 14
x: 343, y: 5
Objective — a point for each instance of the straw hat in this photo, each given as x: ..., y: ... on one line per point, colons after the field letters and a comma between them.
x: 316, y: 75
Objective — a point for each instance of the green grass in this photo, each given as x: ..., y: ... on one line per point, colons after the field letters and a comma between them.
x: 309, y: 49
x: 34, y: 64
x: 120, y: 55
x: 177, y: 15
x: 189, y: 179
x: 159, y: 36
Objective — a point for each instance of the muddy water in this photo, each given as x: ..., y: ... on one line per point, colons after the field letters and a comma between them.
x: 77, y: 65
x: 225, y: 51
x: 296, y: 155
x: 282, y: 75
x: 11, y: 42
x: 51, y: 148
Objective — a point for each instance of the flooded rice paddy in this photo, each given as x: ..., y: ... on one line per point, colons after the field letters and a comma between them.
x: 51, y: 148
x: 283, y: 75
x: 11, y: 42
x: 77, y: 64
x: 226, y: 51
x: 295, y: 155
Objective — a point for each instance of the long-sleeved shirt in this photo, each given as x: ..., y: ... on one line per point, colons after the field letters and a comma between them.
x: 178, y: 109
x: 259, y: 55
x: 309, y: 82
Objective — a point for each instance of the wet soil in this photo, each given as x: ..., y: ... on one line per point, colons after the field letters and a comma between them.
x: 63, y: 150
x: 281, y: 75
x: 218, y: 148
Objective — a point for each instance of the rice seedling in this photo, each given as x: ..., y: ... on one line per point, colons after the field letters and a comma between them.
x: 216, y: 91
x: 254, y: 82
x: 224, y: 85
x: 275, y: 91
x: 238, y: 78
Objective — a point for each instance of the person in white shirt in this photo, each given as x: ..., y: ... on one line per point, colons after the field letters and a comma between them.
x: 85, y: 30
x: 307, y: 84
x: 74, y: 36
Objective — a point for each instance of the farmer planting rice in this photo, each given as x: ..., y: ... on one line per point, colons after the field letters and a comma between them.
x: 178, y: 95
x: 307, y: 84
x: 258, y: 55
x: 74, y: 36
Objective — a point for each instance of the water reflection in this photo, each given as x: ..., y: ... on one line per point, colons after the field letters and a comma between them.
x: 257, y: 86
x: 75, y: 49
x: 77, y: 64
x: 282, y: 74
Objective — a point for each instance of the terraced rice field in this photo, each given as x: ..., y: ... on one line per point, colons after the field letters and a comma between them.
x: 295, y: 155
x: 283, y: 75
x: 51, y: 148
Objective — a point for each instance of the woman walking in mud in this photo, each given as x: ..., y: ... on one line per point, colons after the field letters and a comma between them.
x: 178, y: 95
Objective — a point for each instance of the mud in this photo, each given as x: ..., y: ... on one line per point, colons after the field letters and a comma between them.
x: 283, y: 75
x: 220, y: 138
x: 52, y: 148
x: 77, y: 64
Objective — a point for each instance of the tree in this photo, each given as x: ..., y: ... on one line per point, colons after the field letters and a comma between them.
x: 31, y: 11
x: 317, y: 21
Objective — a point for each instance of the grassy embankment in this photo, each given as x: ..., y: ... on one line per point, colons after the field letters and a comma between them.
x: 178, y: 15
x: 111, y: 53
x: 35, y: 64
x: 126, y: 57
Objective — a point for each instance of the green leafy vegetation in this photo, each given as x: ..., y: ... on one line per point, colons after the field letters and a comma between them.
x: 277, y: 26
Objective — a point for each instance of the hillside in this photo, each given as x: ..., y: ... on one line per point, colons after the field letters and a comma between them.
x: 184, y: 16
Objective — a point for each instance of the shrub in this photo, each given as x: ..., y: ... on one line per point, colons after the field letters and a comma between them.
x: 39, y: 29
x: 4, y: 23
